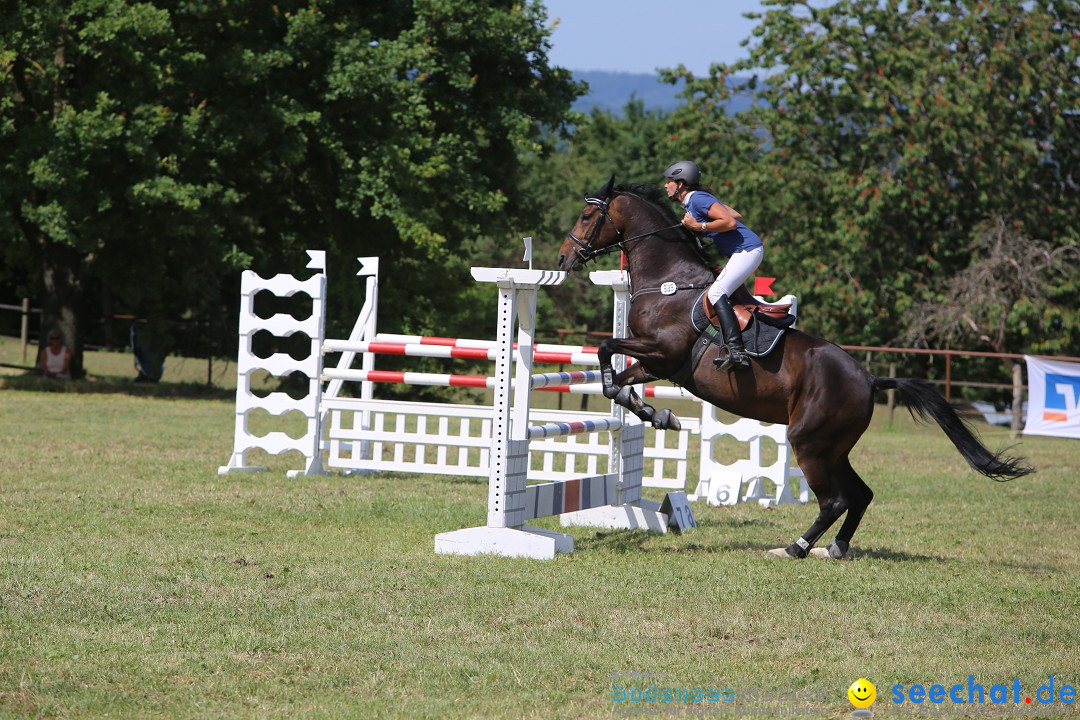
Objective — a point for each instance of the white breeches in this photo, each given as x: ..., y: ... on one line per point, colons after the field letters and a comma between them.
x: 738, y: 268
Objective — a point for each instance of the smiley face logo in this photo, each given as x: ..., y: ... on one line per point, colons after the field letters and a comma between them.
x: 862, y: 693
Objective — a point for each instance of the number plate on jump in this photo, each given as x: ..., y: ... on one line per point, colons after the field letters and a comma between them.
x: 676, y: 507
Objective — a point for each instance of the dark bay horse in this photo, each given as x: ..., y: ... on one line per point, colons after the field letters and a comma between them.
x: 821, y: 393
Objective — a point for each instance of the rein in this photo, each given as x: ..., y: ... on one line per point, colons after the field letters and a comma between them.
x: 585, y: 250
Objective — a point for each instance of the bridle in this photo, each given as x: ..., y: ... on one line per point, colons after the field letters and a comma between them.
x: 584, y: 248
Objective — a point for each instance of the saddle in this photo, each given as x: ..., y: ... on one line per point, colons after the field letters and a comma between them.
x: 762, y: 325
x: 745, y: 305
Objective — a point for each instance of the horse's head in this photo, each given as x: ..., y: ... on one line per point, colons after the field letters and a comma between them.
x: 596, y: 231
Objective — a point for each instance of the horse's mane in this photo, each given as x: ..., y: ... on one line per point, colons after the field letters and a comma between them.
x: 652, y: 194
x: 656, y: 197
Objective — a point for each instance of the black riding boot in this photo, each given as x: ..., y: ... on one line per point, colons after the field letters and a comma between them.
x: 736, y: 358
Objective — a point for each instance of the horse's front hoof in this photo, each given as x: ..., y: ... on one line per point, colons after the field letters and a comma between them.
x: 666, y: 420
x: 780, y: 554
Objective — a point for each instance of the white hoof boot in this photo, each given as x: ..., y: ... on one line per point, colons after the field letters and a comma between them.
x: 779, y: 554
x: 831, y: 553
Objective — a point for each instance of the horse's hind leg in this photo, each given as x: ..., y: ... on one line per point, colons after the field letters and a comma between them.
x: 859, y: 496
x: 822, y: 478
x: 822, y: 439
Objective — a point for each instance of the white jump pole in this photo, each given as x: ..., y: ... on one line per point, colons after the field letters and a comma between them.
x: 506, y: 533
x: 511, y: 501
x: 364, y: 327
x: 632, y: 511
x: 537, y: 432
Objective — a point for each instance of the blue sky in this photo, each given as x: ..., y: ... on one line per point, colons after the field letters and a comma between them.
x: 638, y: 36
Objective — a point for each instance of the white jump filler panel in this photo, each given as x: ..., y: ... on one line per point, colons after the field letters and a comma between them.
x: 279, y: 364
x: 722, y: 484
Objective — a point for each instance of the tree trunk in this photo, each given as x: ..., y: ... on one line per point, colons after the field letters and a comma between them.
x: 62, y: 306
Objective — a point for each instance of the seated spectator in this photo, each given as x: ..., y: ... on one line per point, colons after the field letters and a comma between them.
x: 55, y: 358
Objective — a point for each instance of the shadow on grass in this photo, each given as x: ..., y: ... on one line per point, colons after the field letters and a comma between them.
x: 97, y: 385
x: 459, y: 479
x: 638, y: 541
x: 619, y: 541
x: 858, y: 552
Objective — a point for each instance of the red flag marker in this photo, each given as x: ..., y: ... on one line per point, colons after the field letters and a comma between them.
x: 763, y: 286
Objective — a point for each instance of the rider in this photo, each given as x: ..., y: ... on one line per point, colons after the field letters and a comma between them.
x: 706, y: 215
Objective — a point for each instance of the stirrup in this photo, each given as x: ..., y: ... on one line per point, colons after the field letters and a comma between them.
x: 733, y: 361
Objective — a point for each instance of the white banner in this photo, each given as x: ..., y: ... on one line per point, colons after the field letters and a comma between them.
x: 1053, y: 398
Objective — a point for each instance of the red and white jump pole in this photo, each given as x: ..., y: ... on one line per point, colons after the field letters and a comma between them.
x: 399, y: 377
x: 582, y: 355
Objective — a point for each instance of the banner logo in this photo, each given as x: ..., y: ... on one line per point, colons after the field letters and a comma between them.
x: 1062, y: 397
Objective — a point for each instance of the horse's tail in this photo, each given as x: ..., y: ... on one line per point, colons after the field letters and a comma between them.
x: 923, y: 399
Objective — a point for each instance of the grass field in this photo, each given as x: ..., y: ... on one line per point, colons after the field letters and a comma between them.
x: 136, y: 582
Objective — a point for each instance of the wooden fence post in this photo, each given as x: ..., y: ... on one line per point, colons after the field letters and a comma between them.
x: 890, y: 394
x: 948, y: 378
x: 1018, y: 399
x: 24, y: 334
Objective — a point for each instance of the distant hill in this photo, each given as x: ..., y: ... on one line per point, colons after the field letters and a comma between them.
x: 610, y: 91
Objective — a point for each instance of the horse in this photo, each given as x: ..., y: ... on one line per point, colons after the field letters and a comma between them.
x: 823, y: 395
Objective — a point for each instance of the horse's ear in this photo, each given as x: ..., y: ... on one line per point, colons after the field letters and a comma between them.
x: 605, y: 192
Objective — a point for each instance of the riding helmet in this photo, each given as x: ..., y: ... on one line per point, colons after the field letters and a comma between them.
x: 686, y: 171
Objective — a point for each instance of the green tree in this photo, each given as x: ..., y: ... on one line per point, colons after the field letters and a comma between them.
x: 632, y: 145
x: 990, y: 302
x: 150, y: 150
x: 888, y: 134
